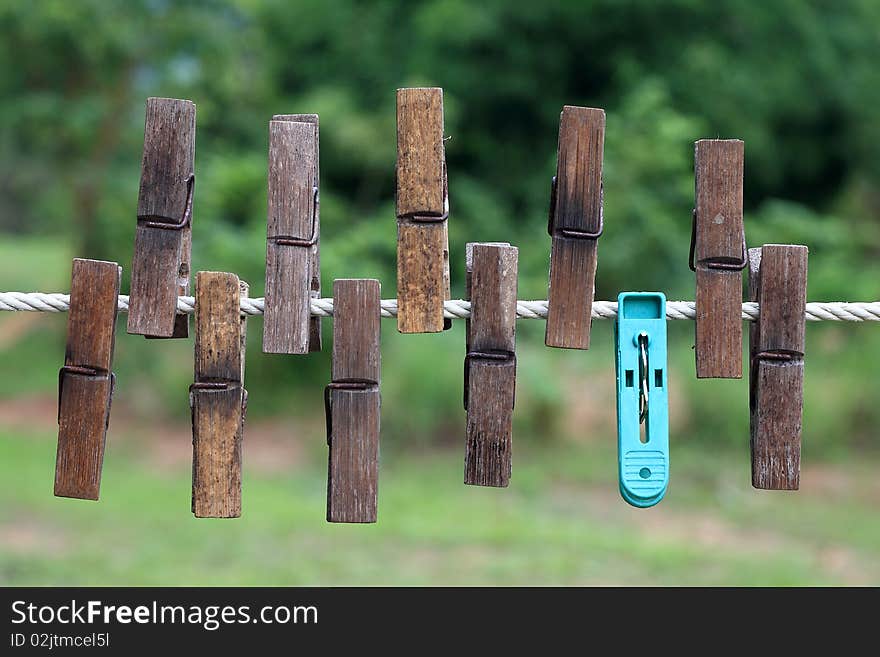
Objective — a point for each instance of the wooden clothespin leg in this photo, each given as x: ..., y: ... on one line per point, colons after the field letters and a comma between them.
x: 718, y: 256
x: 422, y: 212
x: 160, y: 266
x: 85, y: 383
x: 352, y: 403
x: 778, y: 282
x: 490, y: 364
x: 575, y: 226
x: 217, y: 397
x: 292, y: 262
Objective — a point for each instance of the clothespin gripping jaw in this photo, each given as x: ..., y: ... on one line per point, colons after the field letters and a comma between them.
x: 422, y: 207
x: 160, y: 269
x: 575, y: 224
x: 778, y: 282
x: 217, y: 396
x: 86, y: 381
x: 292, y: 234
x: 352, y: 403
x: 490, y: 362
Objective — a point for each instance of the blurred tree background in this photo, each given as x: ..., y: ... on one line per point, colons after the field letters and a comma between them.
x: 798, y: 81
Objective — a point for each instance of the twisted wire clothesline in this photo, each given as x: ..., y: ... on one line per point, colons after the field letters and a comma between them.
x: 817, y: 311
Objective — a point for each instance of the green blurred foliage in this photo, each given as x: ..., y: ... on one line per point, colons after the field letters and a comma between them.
x: 798, y: 81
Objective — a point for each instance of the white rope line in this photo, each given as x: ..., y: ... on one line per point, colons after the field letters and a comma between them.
x: 818, y: 311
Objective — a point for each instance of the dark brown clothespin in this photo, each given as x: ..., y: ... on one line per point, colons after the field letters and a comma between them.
x: 490, y: 364
x: 778, y: 282
x: 217, y: 397
x: 575, y: 226
x: 160, y: 265
x: 422, y: 212
x: 718, y: 256
x: 293, y: 275
x: 85, y: 383
x: 352, y: 402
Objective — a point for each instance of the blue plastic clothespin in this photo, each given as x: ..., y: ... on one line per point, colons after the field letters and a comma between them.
x: 642, y: 403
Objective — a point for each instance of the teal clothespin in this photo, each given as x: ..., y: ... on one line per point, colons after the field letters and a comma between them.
x: 642, y: 403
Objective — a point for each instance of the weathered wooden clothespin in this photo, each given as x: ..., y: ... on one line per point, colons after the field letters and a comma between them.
x: 490, y: 364
x: 718, y: 256
x: 293, y: 275
x: 422, y: 212
x: 778, y: 282
x: 352, y: 402
x: 217, y: 397
x: 575, y: 226
x: 85, y: 383
x: 160, y: 266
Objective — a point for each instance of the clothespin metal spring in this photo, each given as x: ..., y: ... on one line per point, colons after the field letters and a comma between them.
x: 643, y: 376
x: 287, y: 240
x: 495, y: 355
x: 186, y: 218
x: 573, y: 233
x: 361, y: 385
x: 718, y: 262
x: 91, y: 372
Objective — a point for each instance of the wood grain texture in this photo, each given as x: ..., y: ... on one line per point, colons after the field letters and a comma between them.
x: 356, y: 316
x: 353, y: 466
x: 292, y: 270
x: 490, y: 368
x: 492, y: 292
x: 577, y: 206
x: 218, y: 410
x: 84, y: 398
x: 469, y: 278
x: 160, y: 267
x: 579, y: 168
x: 315, y: 251
x: 489, y: 423
x: 783, y: 297
x: 570, y: 293
x: 422, y: 276
x: 422, y: 248
x: 420, y: 154
x: 718, y: 217
x: 778, y: 282
x: 354, y: 413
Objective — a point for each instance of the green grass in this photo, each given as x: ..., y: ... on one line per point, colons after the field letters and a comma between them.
x: 560, y: 522
x: 34, y: 264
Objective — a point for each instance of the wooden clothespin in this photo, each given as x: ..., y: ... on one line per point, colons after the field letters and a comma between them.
x: 490, y: 364
x: 778, y: 282
x: 575, y: 226
x: 217, y: 397
x: 160, y: 265
x: 293, y: 275
x: 422, y: 212
x: 352, y: 402
x: 718, y: 256
x: 85, y: 383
